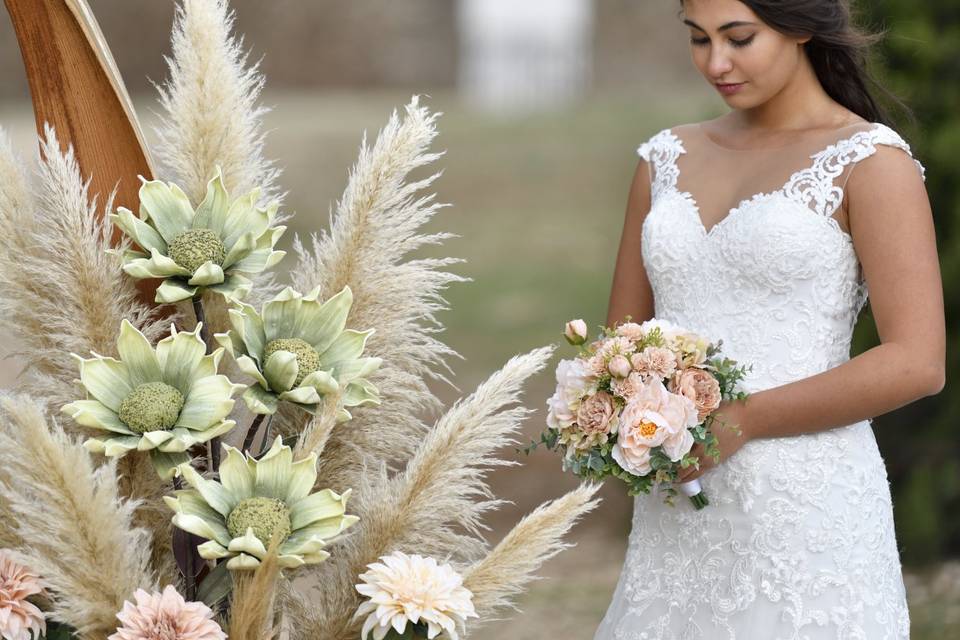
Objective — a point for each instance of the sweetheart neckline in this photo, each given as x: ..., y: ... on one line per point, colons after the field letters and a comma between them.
x: 694, y: 210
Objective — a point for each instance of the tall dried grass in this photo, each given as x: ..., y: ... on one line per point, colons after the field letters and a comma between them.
x: 501, y: 576
x: 59, y: 290
x: 76, y: 530
x: 376, y: 226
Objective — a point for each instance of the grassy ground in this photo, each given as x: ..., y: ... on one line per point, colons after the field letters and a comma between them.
x: 538, y: 203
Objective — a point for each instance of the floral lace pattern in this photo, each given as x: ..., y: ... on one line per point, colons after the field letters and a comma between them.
x: 798, y: 541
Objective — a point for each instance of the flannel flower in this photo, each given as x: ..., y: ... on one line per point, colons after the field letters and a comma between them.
x: 257, y: 499
x: 192, y: 249
x: 162, y: 400
x: 298, y: 351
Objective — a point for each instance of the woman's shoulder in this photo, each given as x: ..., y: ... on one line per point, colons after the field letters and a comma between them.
x: 886, y: 153
x: 673, y: 138
x: 668, y: 140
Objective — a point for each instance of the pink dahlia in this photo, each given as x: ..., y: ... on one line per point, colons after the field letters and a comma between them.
x: 166, y: 616
x: 19, y: 619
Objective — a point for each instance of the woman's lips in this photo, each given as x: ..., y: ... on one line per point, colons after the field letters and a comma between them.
x: 729, y: 89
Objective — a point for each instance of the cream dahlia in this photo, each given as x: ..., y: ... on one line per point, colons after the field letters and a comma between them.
x: 410, y: 588
x: 166, y: 616
x: 19, y: 619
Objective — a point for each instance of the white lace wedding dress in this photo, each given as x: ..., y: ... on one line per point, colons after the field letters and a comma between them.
x: 798, y: 540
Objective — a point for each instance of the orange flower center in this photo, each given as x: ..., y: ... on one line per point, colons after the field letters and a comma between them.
x: 647, y: 429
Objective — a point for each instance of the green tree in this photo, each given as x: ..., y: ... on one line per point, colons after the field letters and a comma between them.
x: 919, y: 60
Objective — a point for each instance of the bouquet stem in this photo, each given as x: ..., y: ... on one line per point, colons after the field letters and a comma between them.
x: 699, y: 501
x: 694, y: 491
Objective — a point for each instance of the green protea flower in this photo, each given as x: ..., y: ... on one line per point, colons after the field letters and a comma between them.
x: 256, y: 499
x: 163, y: 401
x: 298, y: 350
x: 204, y: 248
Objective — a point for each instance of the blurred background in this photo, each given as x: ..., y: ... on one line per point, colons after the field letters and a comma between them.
x: 545, y: 102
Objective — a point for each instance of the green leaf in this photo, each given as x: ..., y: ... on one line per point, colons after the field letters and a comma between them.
x: 595, y: 462
x: 216, y: 586
x: 551, y: 439
x: 59, y: 631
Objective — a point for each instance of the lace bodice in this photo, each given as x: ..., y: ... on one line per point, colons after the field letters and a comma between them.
x: 798, y: 540
x: 777, y: 279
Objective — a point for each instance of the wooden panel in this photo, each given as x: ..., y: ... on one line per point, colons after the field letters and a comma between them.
x: 75, y: 86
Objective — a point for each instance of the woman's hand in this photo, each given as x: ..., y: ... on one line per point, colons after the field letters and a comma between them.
x: 730, y: 438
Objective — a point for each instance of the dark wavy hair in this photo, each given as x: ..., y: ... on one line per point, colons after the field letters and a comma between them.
x: 838, y: 51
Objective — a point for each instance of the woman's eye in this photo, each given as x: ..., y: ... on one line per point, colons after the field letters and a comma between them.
x: 737, y: 43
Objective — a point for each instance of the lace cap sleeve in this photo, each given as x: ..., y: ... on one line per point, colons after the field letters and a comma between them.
x: 661, y: 151
x: 885, y: 135
x: 816, y: 187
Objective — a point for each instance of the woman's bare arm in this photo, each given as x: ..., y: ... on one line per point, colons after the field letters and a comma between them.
x: 631, y: 294
x: 892, y: 228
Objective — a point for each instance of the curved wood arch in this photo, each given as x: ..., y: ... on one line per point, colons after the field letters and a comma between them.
x: 76, y: 87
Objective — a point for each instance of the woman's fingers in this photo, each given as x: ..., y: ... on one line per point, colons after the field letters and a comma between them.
x: 692, y: 472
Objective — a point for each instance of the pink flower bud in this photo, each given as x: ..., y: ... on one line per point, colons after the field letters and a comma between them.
x: 576, y: 332
x: 619, y: 367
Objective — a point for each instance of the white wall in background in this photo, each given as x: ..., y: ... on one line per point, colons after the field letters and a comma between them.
x: 520, y: 55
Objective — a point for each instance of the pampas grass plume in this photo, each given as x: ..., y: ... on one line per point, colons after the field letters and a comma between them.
x: 59, y: 290
x: 434, y: 506
x: 77, y: 532
x: 502, y: 575
x: 377, y: 223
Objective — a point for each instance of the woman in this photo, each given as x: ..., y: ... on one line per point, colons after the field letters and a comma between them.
x: 764, y: 228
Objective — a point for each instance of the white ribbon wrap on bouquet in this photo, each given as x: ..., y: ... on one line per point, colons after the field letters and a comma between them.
x: 691, y: 488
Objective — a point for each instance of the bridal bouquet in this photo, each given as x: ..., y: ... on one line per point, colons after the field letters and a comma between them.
x: 170, y: 462
x: 635, y: 401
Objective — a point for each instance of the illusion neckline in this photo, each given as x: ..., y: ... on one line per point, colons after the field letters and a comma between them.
x: 714, y: 143
x: 695, y: 205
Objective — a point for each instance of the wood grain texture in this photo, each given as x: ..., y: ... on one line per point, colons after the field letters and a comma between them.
x: 76, y: 87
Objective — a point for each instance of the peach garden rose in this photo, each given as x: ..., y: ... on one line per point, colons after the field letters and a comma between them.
x: 699, y: 386
x: 655, y: 417
x: 597, y: 414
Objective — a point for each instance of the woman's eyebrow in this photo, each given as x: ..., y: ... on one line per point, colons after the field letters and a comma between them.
x: 729, y: 25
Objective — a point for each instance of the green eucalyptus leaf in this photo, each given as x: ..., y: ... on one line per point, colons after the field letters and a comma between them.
x: 216, y: 586
x: 59, y: 631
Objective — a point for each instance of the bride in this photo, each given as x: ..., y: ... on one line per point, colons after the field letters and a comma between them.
x: 765, y: 228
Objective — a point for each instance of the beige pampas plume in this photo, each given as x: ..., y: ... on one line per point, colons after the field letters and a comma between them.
x: 137, y: 480
x: 502, y: 575
x: 77, y: 532
x: 16, y: 224
x: 433, y: 507
x: 377, y: 223
x: 16, y: 202
x: 59, y: 291
x: 253, y: 597
x: 211, y: 116
x: 314, y: 437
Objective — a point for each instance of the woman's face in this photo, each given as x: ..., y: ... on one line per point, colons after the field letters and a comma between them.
x: 731, y: 46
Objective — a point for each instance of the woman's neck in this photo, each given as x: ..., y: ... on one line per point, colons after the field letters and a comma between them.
x: 801, y: 104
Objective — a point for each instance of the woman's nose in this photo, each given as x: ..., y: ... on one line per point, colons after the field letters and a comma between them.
x: 719, y: 63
